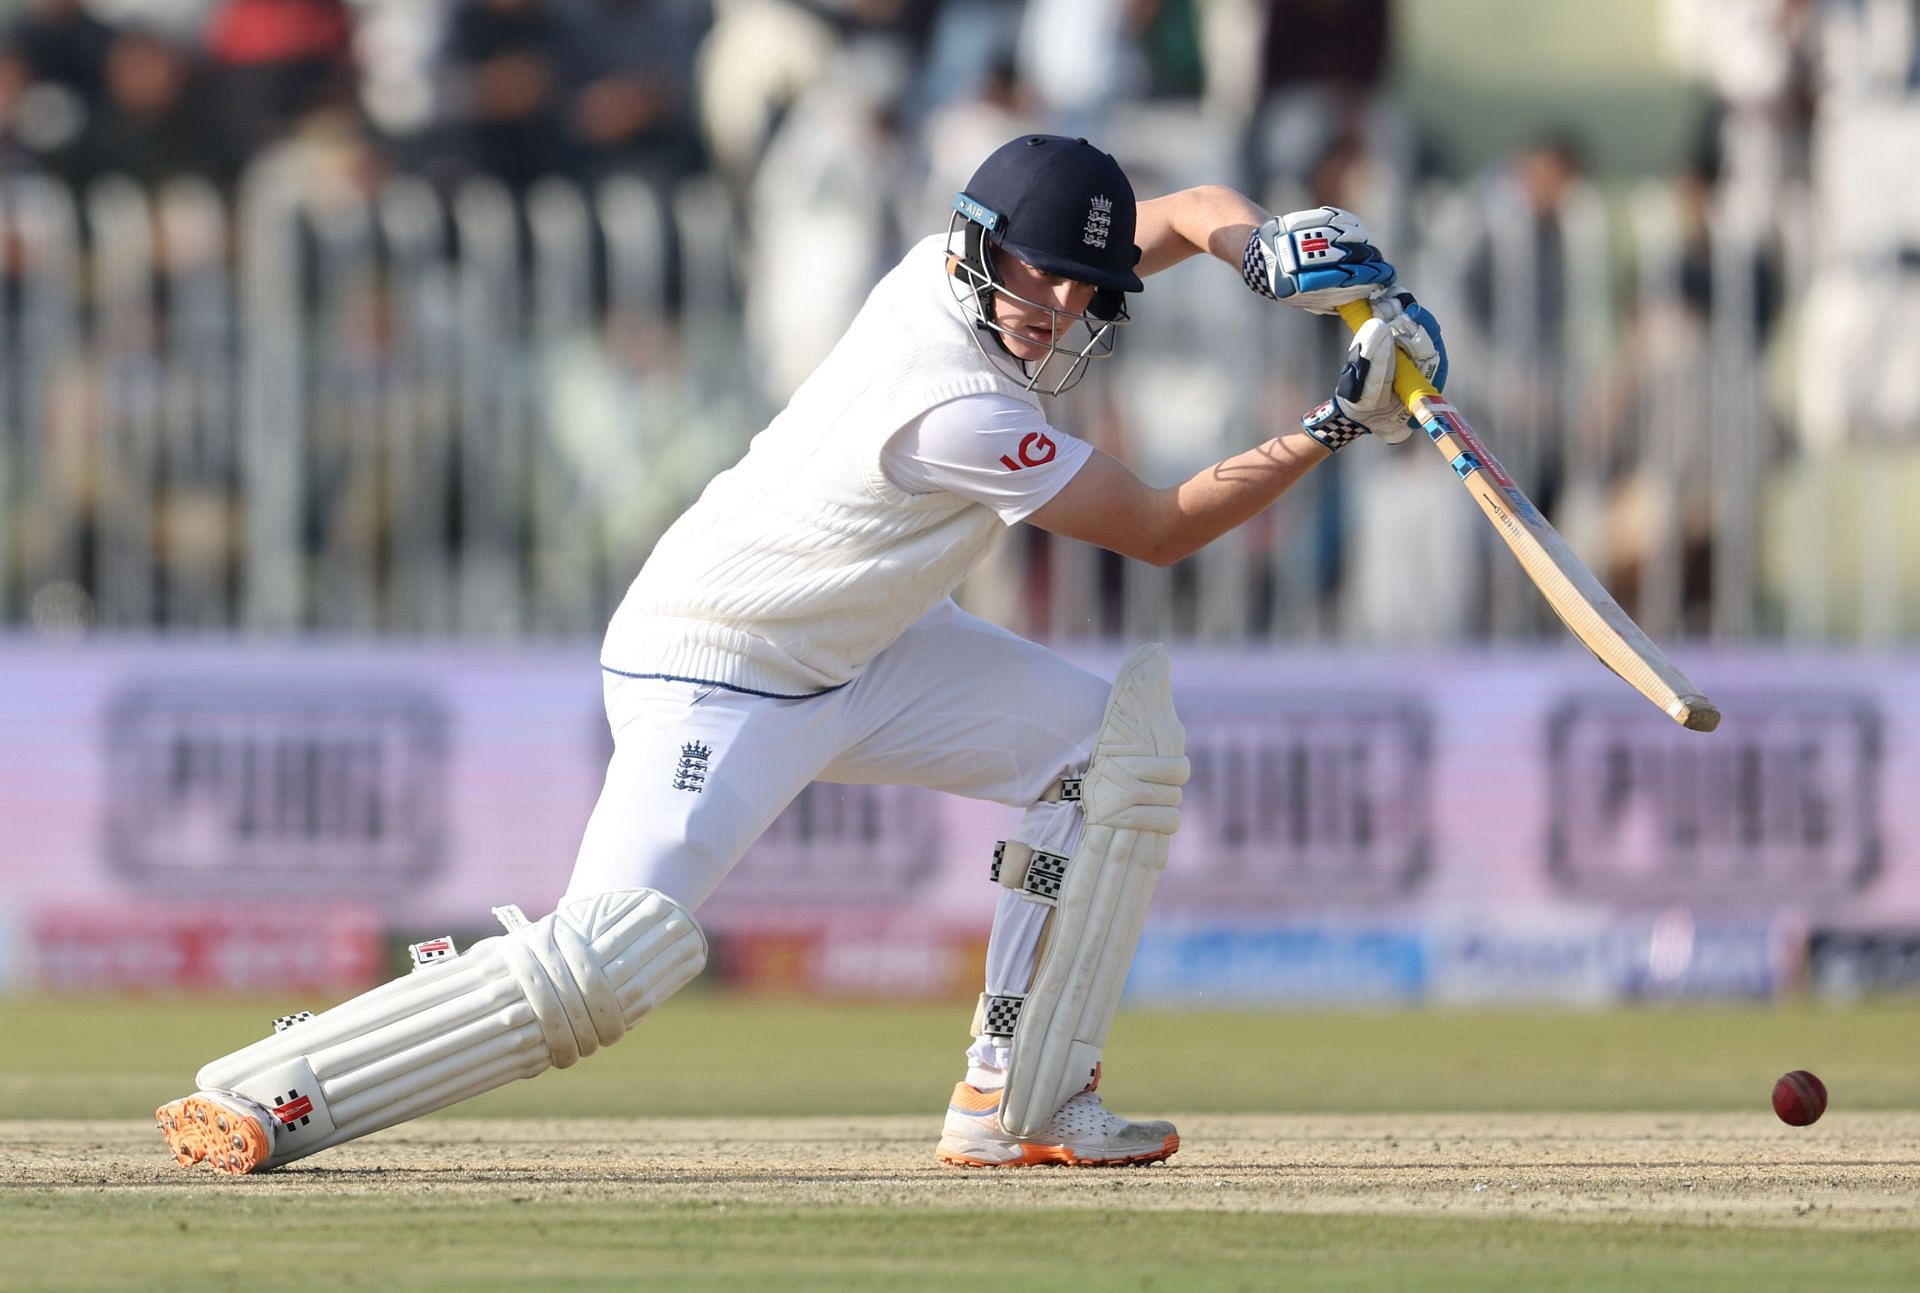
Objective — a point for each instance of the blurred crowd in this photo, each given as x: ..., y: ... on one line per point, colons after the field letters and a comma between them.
x: 516, y: 88
x: 853, y: 118
x: 520, y: 89
x: 867, y: 103
x: 848, y: 123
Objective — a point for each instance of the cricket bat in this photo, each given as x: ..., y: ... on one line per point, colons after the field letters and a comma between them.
x: 1569, y: 587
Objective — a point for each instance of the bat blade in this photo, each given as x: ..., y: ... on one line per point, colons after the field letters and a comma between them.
x: 1576, y: 596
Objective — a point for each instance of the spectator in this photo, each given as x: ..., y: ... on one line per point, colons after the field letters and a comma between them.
x: 1387, y: 551
x: 835, y: 173
x: 1168, y: 32
x: 17, y: 155
x: 63, y: 44
x: 1337, y: 44
x: 398, y: 45
x: 275, y: 61
x: 508, y: 60
x: 1651, y: 430
x: 1516, y: 288
x: 1322, y: 64
x: 1078, y: 55
x: 1541, y: 176
x: 960, y: 132
x: 634, y: 109
x: 762, y: 56
x: 62, y: 50
x: 1759, y: 59
x: 968, y: 44
x: 151, y: 126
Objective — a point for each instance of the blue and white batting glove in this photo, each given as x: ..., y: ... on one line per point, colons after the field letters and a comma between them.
x: 1317, y: 259
x: 1363, y: 399
x: 1415, y: 331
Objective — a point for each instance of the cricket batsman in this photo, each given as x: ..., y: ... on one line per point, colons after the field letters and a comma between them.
x: 796, y: 625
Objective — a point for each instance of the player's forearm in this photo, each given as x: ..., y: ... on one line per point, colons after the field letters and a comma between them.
x: 1230, y: 493
x: 1212, y: 218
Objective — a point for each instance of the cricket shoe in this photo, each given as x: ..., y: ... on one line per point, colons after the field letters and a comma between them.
x: 222, y: 1130
x: 1084, y: 1133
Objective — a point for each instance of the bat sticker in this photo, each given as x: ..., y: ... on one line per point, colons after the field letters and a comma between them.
x: 1522, y: 506
x: 1460, y: 431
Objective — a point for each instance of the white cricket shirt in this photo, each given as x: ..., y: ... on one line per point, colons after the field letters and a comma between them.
x: 861, y: 506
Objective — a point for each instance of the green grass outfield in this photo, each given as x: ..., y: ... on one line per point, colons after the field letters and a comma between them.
x: 158, y: 1244
x: 704, y: 1057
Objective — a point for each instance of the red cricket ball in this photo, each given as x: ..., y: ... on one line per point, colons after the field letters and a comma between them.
x: 1799, y: 1098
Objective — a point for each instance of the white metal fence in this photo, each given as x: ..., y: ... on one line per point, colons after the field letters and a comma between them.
x: 473, y: 413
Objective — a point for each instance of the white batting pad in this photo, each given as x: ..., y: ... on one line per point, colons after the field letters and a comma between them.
x: 1131, y: 796
x: 542, y: 995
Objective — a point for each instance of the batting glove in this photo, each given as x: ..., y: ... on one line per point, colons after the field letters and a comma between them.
x: 1317, y: 259
x: 1363, y: 399
x: 1415, y: 331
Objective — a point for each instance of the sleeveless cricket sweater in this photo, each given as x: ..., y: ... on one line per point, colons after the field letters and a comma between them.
x: 802, y: 562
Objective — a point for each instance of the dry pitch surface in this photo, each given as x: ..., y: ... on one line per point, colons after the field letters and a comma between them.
x: 1548, y: 1171
x: 1853, y: 1171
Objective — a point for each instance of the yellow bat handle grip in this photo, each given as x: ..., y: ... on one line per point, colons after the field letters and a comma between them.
x: 1408, y: 384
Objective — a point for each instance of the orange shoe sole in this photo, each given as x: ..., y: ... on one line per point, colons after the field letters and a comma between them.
x: 1061, y: 1156
x: 200, y: 1130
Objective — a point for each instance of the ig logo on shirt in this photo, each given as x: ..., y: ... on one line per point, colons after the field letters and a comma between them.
x: 1035, y: 450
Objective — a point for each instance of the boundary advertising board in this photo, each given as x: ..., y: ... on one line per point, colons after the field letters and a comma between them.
x: 419, y: 785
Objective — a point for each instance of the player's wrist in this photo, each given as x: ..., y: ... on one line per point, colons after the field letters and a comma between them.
x: 1328, y: 425
x: 1253, y: 266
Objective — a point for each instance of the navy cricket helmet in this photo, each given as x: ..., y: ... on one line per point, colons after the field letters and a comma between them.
x: 1061, y: 205
x: 1066, y: 208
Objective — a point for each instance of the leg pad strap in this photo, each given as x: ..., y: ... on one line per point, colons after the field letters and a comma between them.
x: 996, y: 1017
x: 1035, y: 874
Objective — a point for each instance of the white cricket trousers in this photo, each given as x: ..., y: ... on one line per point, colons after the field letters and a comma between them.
x: 955, y: 704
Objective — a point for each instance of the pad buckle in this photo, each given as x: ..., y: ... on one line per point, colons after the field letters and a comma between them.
x: 999, y: 1016
x: 1035, y: 874
x: 1064, y: 791
x: 433, y: 951
x: 1046, y: 874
